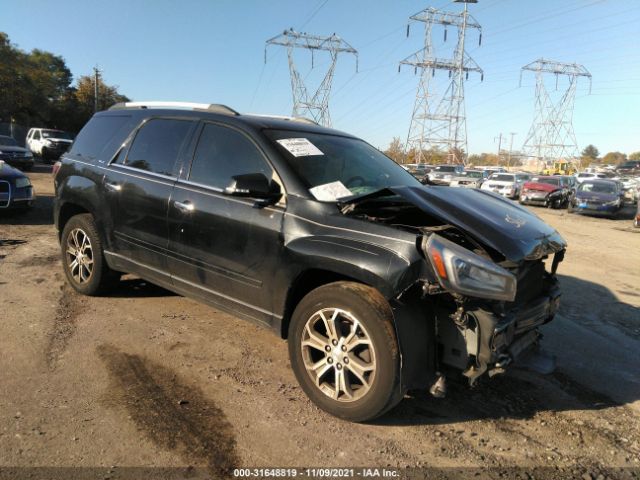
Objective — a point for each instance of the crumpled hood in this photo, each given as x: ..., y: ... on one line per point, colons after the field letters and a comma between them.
x: 541, y: 187
x: 506, y: 227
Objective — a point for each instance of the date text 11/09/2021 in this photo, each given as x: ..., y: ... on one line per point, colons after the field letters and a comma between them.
x: 316, y: 472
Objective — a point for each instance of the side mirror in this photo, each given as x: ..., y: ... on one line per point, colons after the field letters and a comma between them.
x: 254, y: 185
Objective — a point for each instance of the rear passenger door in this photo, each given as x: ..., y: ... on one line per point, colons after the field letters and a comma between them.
x: 138, y: 186
x: 225, y: 249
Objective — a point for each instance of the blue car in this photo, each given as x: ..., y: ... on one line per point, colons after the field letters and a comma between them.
x: 16, y: 191
x: 598, y: 197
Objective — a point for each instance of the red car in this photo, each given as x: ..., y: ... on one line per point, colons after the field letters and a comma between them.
x: 549, y: 191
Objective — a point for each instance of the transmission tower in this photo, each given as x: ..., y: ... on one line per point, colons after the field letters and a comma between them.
x: 551, y: 135
x: 316, y: 105
x: 439, y: 121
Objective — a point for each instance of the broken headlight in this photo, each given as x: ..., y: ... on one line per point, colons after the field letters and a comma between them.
x: 461, y: 271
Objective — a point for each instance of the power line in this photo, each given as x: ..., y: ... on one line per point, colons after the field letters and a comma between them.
x: 438, y: 122
x: 551, y: 135
x: 315, y: 12
x: 317, y: 104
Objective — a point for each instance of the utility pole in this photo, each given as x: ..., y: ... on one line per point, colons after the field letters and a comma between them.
x: 439, y: 121
x: 499, y: 137
x: 510, y: 149
x: 551, y: 135
x: 316, y: 105
x: 96, y: 76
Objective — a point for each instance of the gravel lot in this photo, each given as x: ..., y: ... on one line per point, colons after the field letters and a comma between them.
x: 145, y: 378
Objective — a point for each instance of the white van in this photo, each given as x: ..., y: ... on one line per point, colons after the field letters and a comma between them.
x: 48, y: 143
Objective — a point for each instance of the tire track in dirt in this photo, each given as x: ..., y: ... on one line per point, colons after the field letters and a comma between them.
x: 173, y: 415
x: 64, y: 325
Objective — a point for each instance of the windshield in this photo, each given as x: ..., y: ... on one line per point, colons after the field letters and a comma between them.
x: 549, y: 180
x: 56, y: 134
x: 597, y: 187
x: 8, y: 141
x: 335, y: 167
x: 473, y: 174
x: 445, y: 168
x: 501, y: 177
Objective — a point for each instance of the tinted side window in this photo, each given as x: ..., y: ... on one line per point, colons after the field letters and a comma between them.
x: 222, y: 153
x: 36, y: 135
x: 101, y: 137
x: 157, y: 144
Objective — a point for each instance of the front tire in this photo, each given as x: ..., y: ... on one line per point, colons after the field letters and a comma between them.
x: 344, y: 353
x: 83, y: 257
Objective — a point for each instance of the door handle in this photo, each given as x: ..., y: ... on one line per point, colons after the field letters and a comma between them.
x: 114, y: 187
x: 184, y: 207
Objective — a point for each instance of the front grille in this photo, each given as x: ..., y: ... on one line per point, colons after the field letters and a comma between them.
x: 5, y: 193
x: 59, y: 145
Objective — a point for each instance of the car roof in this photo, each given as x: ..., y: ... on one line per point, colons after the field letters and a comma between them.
x: 220, y: 113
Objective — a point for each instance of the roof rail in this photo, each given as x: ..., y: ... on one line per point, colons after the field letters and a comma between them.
x: 210, y: 107
x: 286, y: 117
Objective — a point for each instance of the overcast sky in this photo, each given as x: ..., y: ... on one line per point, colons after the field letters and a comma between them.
x: 213, y: 51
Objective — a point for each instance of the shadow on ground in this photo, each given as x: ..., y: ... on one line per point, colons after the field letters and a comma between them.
x: 40, y: 214
x: 587, y: 312
x: 131, y: 287
x: 590, y: 303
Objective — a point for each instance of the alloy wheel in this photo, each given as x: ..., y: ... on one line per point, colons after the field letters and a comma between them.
x: 79, y: 255
x: 338, y: 354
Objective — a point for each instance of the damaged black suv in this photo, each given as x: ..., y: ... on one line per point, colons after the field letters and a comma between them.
x: 378, y: 283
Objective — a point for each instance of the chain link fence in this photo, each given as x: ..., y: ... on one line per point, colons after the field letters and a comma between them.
x: 19, y: 132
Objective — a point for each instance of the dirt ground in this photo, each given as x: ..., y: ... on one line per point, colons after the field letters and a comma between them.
x: 146, y: 378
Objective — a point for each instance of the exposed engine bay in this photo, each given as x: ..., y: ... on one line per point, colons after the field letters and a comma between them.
x: 490, y: 279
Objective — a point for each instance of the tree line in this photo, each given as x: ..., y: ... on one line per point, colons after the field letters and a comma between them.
x: 37, y: 89
x: 589, y: 155
x: 397, y: 152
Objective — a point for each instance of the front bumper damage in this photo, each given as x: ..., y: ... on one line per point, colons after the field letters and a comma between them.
x: 480, y: 340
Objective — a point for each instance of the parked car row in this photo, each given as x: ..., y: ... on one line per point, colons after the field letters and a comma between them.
x: 46, y: 143
x: 506, y: 184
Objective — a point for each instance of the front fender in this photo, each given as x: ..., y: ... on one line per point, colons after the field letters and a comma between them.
x: 388, y: 271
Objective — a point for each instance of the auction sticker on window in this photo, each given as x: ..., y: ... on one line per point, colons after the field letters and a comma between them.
x: 330, y: 192
x: 300, y: 147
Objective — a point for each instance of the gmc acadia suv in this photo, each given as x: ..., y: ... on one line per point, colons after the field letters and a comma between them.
x: 378, y: 283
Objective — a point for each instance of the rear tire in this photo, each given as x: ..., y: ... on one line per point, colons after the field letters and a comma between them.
x: 83, y: 257
x: 344, y: 352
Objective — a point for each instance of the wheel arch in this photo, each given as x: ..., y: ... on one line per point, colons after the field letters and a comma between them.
x: 304, y: 283
x: 67, y: 211
x: 75, y: 195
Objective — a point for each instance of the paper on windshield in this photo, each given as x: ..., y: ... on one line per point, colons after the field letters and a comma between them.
x: 300, y: 147
x: 330, y: 192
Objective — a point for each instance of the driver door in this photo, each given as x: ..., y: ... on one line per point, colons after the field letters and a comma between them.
x: 225, y: 249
